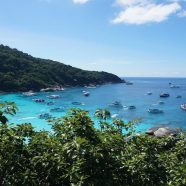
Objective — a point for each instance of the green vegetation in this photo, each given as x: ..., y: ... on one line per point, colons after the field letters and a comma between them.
x: 76, y: 153
x: 22, y: 72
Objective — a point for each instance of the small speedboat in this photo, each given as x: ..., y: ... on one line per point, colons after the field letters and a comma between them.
x: 44, y: 116
x: 57, y: 109
x: 52, y: 89
x: 174, y: 86
x: 86, y: 94
x: 178, y: 96
x: 183, y: 106
x: 91, y: 86
x: 38, y: 100
x: 164, y: 95
x: 132, y: 107
x: 161, y: 102
x: 47, y: 90
x: 77, y: 103
x: 149, y: 93
x: 29, y: 94
x: 116, y: 104
x: 155, y: 111
x: 129, y: 83
x: 53, y: 96
x: 50, y: 103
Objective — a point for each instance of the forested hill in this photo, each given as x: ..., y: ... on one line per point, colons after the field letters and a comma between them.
x: 21, y: 72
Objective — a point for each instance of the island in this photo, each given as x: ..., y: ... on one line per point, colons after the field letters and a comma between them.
x: 22, y: 72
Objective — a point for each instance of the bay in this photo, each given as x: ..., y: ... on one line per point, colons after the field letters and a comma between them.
x: 103, y: 96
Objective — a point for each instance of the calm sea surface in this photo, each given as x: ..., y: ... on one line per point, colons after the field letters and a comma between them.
x: 102, y: 96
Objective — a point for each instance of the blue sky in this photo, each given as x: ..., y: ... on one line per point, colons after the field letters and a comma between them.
x: 125, y: 37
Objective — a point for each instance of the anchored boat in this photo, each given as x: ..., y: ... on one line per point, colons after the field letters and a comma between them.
x: 38, y: 100
x: 155, y: 111
x: 53, y: 96
x: 164, y: 95
x: 183, y: 106
x: 116, y: 104
x: 44, y: 116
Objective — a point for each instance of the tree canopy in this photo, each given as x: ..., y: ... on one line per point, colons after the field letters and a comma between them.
x: 77, y: 153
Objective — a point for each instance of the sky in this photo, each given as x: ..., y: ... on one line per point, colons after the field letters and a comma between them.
x: 134, y: 38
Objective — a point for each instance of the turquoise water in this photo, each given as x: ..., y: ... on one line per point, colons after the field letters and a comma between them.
x: 104, y: 95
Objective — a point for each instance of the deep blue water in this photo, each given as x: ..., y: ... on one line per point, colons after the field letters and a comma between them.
x: 102, y: 96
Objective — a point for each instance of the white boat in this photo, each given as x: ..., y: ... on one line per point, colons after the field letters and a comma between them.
x: 86, y: 94
x: 29, y: 94
x: 47, y: 90
x: 155, y: 111
x: 53, y: 96
x: 116, y: 104
x: 149, y: 93
x: 174, y: 86
x: 38, y: 100
x: 91, y: 86
x: 183, y: 106
x: 52, y: 89
x: 164, y: 95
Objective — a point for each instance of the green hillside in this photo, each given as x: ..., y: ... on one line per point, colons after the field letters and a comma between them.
x: 21, y: 72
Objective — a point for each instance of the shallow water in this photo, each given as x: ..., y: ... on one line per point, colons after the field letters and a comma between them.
x: 102, y: 96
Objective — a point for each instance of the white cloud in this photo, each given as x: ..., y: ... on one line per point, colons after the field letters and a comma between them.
x: 74, y: 1
x: 80, y: 1
x: 131, y: 2
x: 182, y: 14
x: 145, y: 11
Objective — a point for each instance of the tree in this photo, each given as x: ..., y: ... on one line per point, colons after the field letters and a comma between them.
x: 76, y: 153
x: 102, y: 114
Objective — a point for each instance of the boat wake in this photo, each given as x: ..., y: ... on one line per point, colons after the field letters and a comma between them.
x: 27, y: 118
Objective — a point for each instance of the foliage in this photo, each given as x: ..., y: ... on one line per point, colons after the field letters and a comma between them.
x: 22, y: 72
x: 76, y: 153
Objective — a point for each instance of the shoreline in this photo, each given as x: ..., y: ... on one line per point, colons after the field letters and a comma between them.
x: 65, y: 87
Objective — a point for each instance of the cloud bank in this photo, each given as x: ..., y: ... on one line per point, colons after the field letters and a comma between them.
x: 145, y: 11
x: 140, y: 12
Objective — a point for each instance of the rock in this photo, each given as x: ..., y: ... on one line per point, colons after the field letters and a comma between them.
x: 161, y: 132
x: 151, y: 130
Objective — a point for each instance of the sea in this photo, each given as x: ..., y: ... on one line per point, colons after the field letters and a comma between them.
x: 103, y: 96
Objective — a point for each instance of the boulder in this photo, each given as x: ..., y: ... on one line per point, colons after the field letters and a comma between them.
x: 151, y: 130
x: 161, y: 132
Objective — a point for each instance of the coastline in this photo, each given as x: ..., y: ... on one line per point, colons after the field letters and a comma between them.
x: 63, y: 86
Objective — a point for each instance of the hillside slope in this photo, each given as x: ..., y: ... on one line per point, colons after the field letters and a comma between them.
x: 21, y: 72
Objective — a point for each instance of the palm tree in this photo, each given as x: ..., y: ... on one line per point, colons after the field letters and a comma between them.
x: 102, y: 114
x: 119, y: 124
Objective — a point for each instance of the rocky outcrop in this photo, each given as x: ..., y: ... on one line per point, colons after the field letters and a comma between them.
x: 162, y: 131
